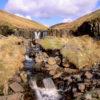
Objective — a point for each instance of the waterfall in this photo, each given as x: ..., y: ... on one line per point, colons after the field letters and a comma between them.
x: 35, y: 87
x: 37, y: 35
x: 49, y: 92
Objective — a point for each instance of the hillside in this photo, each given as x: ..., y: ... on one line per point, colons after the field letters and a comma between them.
x: 12, y: 22
x: 19, y: 22
x: 91, y: 21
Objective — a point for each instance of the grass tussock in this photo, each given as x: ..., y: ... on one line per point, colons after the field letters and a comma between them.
x: 81, y: 51
x: 11, y: 57
x: 52, y: 42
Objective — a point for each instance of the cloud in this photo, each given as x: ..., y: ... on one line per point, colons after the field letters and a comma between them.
x: 27, y: 17
x: 67, y: 20
x: 51, y: 8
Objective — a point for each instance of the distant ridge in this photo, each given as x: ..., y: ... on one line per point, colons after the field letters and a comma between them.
x: 75, y: 24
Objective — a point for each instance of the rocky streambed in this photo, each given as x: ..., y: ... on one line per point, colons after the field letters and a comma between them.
x: 48, y: 76
x: 71, y: 83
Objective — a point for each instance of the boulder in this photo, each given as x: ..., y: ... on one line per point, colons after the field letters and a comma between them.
x: 23, y: 76
x: 16, y: 87
x: 81, y: 87
x: 51, y: 61
x: 88, y: 75
x: 58, y: 60
x: 41, y: 57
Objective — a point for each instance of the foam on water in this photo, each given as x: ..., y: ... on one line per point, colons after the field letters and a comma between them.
x: 45, y: 93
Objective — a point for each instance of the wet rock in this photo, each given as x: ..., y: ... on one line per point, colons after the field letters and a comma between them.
x: 16, y: 96
x: 81, y: 87
x: 51, y: 61
x: 88, y: 75
x: 16, y: 87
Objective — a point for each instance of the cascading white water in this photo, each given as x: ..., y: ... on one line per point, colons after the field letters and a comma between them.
x: 37, y: 35
x: 48, y: 93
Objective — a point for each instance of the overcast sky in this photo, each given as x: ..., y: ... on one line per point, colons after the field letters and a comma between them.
x: 50, y: 12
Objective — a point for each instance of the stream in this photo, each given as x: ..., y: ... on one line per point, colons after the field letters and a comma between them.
x: 49, y: 91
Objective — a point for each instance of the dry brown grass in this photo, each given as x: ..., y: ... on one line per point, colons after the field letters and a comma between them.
x: 11, y: 57
x: 81, y: 51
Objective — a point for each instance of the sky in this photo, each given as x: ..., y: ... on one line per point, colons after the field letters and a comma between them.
x: 50, y: 12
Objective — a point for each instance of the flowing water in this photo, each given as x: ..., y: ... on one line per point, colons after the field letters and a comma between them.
x: 49, y: 91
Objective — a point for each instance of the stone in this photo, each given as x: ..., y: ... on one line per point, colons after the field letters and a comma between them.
x: 69, y: 79
x: 41, y: 57
x: 23, y: 76
x: 51, y: 61
x: 16, y: 78
x: 52, y: 72
x: 57, y: 75
x: 51, y: 67
x: 66, y: 65
x: 70, y: 71
x: 88, y: 75
x: 16, y: 96
x: 38, y: 59
x: 3, y: 97
x: 81, y: 87
x: 16, y: 87
x: 88, y: 97
x: 78, y: 77
x: 58, y: 60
